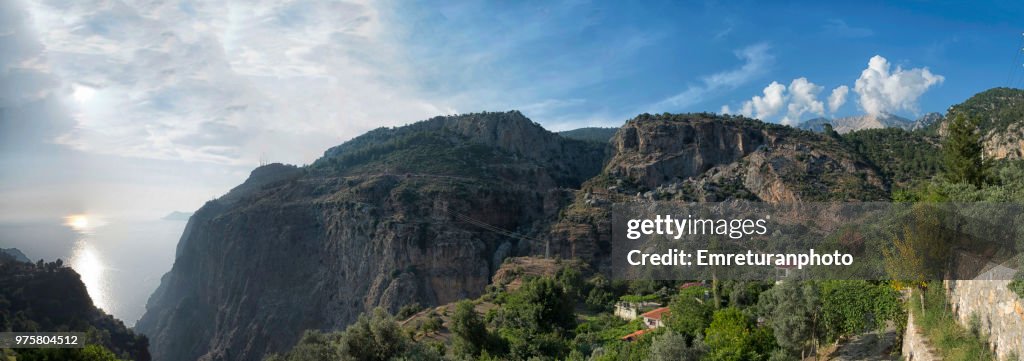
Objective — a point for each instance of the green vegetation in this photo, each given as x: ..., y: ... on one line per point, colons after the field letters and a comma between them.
x: 732, y: 336
x: 534, y: 319
x: 903, y: 157
x: 939, y: 325
x: 472, y: 339
x: 51, y: 297
x: 996, y: 109
x: 541, y: 320
x: 374, y: 337
x: 438, y: 147
x: 962, y: 153
x: 852, y: 307
x: 691, y: 312
x: 792, y: 309
x: 671, y: 346
x: 429, y: 152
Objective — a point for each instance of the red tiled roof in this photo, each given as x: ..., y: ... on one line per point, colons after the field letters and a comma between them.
x: 634, y: 335
x: 656, y: 313
x: 691, y: 284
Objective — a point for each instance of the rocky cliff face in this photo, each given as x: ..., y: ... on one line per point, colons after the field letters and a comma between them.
x: 427, y: 213
x: 416, y: 214
x: 702, y: 157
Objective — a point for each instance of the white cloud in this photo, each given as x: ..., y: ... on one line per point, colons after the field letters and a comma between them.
x: 879, y: 91
x: 838, y: 98
x: 767, y: 105
x: 803, y: 98
x: 756, y: 60
x: 883, y: 91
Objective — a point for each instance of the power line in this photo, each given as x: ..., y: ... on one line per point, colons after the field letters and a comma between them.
x: 489, y: 227
x: 1016, y: 67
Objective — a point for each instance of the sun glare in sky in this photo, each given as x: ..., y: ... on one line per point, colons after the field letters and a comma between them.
x: 82, y: 93
x: 77, y: 222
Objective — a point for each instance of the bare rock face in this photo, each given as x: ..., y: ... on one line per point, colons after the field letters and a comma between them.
x: 868, y: 121
x: 703, y: 157
x: 388, y: 219
x: 1006, y: 143
x: 653, y: 151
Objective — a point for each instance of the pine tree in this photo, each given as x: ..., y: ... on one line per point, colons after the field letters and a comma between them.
x: 962, y: 152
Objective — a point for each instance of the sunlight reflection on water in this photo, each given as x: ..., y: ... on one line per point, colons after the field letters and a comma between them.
x: 87, y: 262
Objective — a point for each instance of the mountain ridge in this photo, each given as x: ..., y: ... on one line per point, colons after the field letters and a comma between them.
x: 849, y: 124
x: 426, y: 213
x: 387, y: 219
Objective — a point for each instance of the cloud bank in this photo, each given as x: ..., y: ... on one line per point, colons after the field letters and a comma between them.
x: 879, y: 90
x: 216, y: 81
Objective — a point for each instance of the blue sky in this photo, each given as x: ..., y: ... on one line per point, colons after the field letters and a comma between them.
x: 142, y: 107
x: 604, y: 62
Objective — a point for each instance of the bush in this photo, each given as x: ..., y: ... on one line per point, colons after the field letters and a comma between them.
x: 690, y: 312
x: 732, y: 337
x: 471, y: 336
x: 408, y: 310
x: 672, y: 346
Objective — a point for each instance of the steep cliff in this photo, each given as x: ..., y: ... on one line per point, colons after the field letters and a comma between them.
x: 417, y: 214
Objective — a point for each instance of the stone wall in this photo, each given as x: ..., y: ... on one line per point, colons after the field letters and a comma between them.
x: 999, y: 311
x: 915, y: 345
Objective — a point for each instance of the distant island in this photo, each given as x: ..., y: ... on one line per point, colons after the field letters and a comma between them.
x: 177, y: 216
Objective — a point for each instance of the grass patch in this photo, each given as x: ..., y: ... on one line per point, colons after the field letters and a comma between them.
x: 951, y: 340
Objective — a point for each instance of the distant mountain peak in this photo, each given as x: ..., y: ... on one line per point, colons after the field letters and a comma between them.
x: 860, y: 122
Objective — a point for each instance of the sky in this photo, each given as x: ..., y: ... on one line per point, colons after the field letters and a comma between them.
x: 136, y: 108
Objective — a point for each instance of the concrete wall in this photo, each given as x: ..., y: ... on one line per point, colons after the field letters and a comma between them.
x: 999, y: 310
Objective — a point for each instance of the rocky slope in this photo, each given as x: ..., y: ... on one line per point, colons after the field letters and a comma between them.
x: 704, y: 157
x: 418, y: 214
